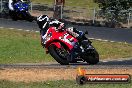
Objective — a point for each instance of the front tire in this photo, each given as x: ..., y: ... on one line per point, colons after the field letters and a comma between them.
x: 56, y: 56
x: 29, y: 17
x: 13, y: 15
x: 93, y: 58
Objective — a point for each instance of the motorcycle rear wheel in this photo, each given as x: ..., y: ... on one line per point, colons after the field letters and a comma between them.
x: 60, y: 59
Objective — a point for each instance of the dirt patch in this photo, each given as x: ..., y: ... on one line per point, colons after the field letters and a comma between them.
x: 38, y: 13
x: 33, y: 75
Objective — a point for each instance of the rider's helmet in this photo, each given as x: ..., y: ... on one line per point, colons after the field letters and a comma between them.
x: 43, y: 22
x: 59, y: 25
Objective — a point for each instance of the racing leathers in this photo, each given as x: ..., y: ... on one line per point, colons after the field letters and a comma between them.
x: 44, y: 23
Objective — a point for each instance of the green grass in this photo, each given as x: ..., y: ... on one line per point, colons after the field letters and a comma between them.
x: 113, y: 50
x: 59, y: 84
x: 72, y: 3
x: 24, y: 47
x: 19, y: 46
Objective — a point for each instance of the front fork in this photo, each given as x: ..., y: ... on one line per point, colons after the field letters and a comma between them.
x: 80, y: 49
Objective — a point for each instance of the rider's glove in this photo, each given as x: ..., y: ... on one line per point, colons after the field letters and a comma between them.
x: 61, y: 27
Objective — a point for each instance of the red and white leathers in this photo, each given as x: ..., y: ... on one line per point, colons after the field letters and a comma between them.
x: 44, y: 23
x: 70, y: 30
x: 61, y: 26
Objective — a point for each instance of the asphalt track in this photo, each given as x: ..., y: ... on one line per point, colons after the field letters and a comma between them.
x: 112, y: 64
x: 100, y: 33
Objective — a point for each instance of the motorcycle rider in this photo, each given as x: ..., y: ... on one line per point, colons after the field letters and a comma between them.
x: 11, y: 4
x: 44, y: 22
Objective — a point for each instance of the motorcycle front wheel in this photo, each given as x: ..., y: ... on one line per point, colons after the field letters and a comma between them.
x: 58, y: 54
x: 13, y: 15
x: 29, y: 17
x: 91, y: 58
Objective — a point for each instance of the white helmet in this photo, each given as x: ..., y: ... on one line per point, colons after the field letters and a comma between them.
x: 57, y: 24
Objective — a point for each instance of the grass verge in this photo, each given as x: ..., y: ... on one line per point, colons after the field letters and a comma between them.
x: 58, y: 84
x: 24, y: 47
x: 71, y: 3
x: 19, y: 47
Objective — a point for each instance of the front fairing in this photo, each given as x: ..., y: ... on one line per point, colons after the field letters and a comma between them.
x: 62, y: 37
x: 20, y: 6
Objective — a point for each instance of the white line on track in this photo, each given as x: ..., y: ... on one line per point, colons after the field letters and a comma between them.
x: 36, y: 31
x: 89, y: 38
x: 99, y: 39
x: 119, y: 42
x: 27, y: 30
x: 11, y: 28
x: 20, y: 29
x: 112, y: 41
x: 105, y: 40
x: 119, y: 60
x: 1, y: 27
x: 105, y: 61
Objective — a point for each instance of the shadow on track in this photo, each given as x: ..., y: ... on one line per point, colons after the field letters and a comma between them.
x: 114, y: 62
x: 55, y: 65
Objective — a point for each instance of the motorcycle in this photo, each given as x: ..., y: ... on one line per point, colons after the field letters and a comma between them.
x: 61, y: 45
x: 21, y: 12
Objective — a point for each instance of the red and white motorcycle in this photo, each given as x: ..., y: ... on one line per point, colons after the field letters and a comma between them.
x: 60, y: 44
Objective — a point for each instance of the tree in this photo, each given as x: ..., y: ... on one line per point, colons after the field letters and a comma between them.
x: 115, y: 10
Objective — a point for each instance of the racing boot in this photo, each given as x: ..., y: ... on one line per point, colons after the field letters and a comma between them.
x: 42, y: 32
x: 87, y: 45
x: 84, y: 42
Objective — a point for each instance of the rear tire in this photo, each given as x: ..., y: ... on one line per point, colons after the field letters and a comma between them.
x: 56, y: 56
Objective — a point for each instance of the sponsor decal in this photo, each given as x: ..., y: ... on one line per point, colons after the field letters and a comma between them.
x: 83, y: 78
